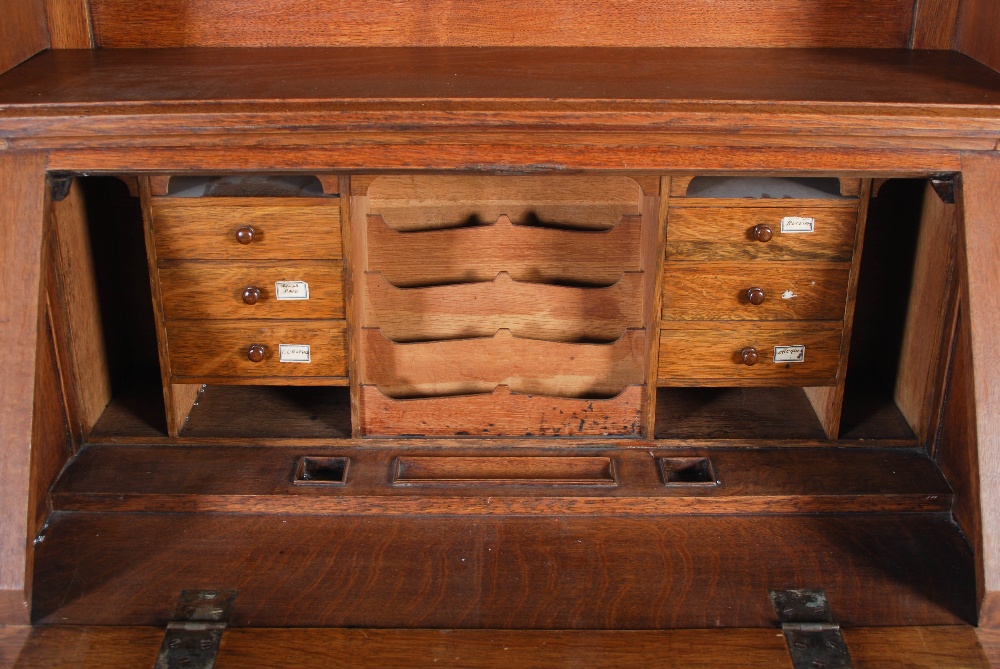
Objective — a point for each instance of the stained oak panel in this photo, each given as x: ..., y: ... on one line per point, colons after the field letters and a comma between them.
x: 282, y: 228
x: 724, y: 231
x: 23, y: 33
x: 813, y: 23
x: 721, y: 291
x: 572, y: 573
x: 204, y: 350
x: 207, y: 290
x: 531, y: 310
x: 526, y: 253
x: 408, y: 203
x: 711, y: 354
x: 462, y: 366
x: 501, y: 413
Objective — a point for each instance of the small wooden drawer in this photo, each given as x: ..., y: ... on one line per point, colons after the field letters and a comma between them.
x: 255, y: 351
x: 786, y: 354
x: 213, y: 290
x: 246, y: 228
x: 718, y: 230
x: 501, y: 413
x: 724, y: 291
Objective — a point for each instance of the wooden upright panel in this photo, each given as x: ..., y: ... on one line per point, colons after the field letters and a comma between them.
x: 981, y: 201
x: 976, y: 31
x: 22, y: 209
x: 934, y: 23
x: 69, y: 24
x: 807, y: 23
x: 23, y: 32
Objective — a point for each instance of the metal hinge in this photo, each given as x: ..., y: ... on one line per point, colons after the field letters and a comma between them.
x: 193, y: 637
x: 60, y: 184
x: 944, y: 186
x: 814, y: 640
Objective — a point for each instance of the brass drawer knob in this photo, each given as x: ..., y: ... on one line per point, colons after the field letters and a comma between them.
x: 251, y: 294
x: 763, y: 233
x: 755, y: 295
x: 245, y: 234
x: 749, y: 356
x: 256, y: 353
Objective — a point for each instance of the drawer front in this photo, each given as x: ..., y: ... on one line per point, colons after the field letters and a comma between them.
x: 730, y: 291
x: 270, y: 228
x: 202, y: 350
x: 711, y: 354
x: 212, y: 290
x: 731, y: 233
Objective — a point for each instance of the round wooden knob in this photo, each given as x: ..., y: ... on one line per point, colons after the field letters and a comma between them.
x: 251, y: 294
x: 245, y: 234
x: 755, y: 295
x: 762, y: 233
x: 256, y: 352
x: 749, y: 356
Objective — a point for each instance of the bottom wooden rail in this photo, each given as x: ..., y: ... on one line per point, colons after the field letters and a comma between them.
x: 72, y: 647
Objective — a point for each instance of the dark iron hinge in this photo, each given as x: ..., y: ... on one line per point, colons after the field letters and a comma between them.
x: 944, y: 186
x: 814, y: 640
x: 193, y: 637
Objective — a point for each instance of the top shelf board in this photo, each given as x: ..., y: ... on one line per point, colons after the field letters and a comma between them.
x: 941, y: 100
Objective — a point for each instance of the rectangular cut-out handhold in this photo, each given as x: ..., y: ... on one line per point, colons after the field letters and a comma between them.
x: 501, y: 413
x: 532, y: 310
x: 314, y: 470
x: 516, y: 470
x: 463, y: 366
x: 480, y: 252
x: 687, y: 471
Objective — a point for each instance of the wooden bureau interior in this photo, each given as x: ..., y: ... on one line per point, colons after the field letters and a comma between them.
x: 587, y: 327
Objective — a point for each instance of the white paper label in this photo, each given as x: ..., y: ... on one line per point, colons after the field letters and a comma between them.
x: 789, y: 353
x: 291, y: 290
x: 791, y: 224
x: 293, y: 353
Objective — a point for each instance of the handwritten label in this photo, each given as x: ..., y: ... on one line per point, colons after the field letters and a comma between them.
x: 792, y: 224
x: 291, y: 290
x: 789, y: 353
x: 293, y: 353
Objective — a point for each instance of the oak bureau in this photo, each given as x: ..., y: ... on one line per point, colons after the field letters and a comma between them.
x: 543, y: 316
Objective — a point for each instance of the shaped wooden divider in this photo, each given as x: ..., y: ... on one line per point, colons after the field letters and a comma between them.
x: 527, y: 253
x: 462, y: 366
x: 501, y: 413
x: 532, y: 310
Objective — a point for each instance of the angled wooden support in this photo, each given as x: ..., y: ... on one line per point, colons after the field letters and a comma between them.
x: 981, y: 308
x: 22, y: 207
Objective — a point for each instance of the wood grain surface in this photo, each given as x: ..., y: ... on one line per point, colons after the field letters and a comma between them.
x: 703, y: 353
x: 21, y: 218
x: 23, y: 33
x: 975, y: 31
x: 463, y: 366
x: 203, y: 351
x: 981, y: 243
x: 526, y: 253
x: 69, y: 24
x: 501, y: 413
x: 845, y: 23
x: 530, y: 310
x: 408, y: 203
x: 934, y: 24
x: 284, y: 228
x: 80, y: 647
x: 466, y: 477
x: 214, y: 290
x: 717, y: 291
x: 724, y: 231
x: 503, y: 572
